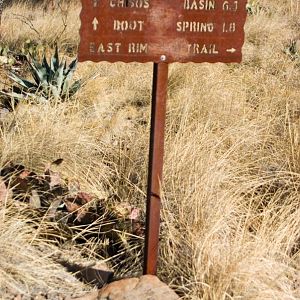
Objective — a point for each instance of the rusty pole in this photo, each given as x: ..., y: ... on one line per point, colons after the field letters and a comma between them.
x: 156, y: 152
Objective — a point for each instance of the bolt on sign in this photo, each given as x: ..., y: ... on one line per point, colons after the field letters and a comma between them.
x: 162, y: 30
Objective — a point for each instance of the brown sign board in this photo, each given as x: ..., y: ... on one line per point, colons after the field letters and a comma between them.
x: 162, y: 30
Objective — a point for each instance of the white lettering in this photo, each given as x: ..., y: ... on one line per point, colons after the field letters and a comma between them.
x: 209, y: 49
x: 128, y: 25
x: 184, y: 26
x: 92, y: 48
x: 105, y: 48
x: 137, y: 48
x: 95, y: 3
x: 228, y: 6
x: 199, y: 4
x: 229, y: 27
x: 130, y: 3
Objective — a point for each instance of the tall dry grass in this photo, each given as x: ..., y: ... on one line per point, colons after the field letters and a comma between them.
x: 295, y: 6
x: 230, y: 225
x: 22, y: 22
x: 26, y: 264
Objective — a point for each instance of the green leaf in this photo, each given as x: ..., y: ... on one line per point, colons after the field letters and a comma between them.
x: 75, y: 87
x: 59, y: 77
x: 72, y: 67
x: 45, y: 64
x: 69, y: 75
x: 13, y: 95
x: 39, y: 73
x: 55, y: 60
x: 22, y: 82
x: 55, y: 91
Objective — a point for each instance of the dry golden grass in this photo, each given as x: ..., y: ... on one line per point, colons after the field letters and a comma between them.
x: 22, y: 22
x: 231, y: 213
x: 26, y: 266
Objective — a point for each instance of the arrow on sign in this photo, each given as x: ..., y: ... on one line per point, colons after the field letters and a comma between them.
x: 96, y: 3
x: 95, y: 23
x: 232, y: 50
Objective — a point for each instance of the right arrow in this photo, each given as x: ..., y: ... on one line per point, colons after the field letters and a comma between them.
x: 232, y: 50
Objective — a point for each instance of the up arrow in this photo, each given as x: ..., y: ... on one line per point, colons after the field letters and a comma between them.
x: 95, y: 24
x: 96, y: 3
x: 232, y: 50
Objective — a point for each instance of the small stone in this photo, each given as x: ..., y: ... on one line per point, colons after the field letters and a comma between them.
x: 146, y: 287
x: 89, y: 296
x: 3, y: 60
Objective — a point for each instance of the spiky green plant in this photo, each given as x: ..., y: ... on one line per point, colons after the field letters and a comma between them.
x: 52, y: 81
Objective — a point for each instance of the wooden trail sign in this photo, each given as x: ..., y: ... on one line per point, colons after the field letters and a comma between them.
x: 161, y: 31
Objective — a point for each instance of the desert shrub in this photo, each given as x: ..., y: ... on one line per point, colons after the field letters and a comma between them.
x: 52, y: 81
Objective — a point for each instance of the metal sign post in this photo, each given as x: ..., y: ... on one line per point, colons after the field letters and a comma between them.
x: 156, y: 153
x: 161, y: 31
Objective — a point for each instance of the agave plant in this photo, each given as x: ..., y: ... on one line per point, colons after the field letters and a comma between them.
x: 51, y: 81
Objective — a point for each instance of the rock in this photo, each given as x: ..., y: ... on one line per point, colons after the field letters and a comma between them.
x: 147, y: 287
x: 3, y: 60
x: 90, y: 296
